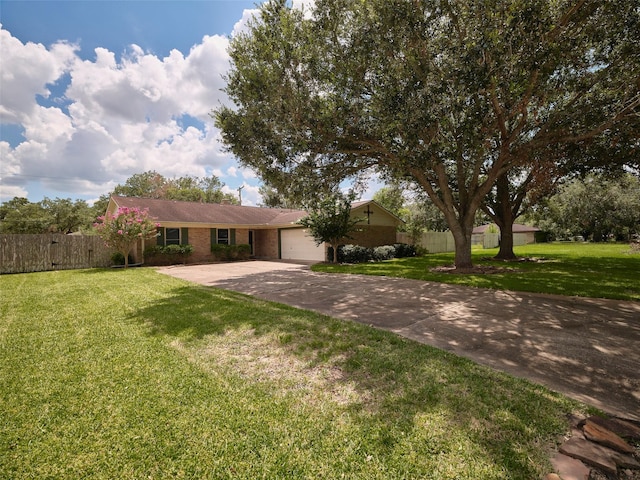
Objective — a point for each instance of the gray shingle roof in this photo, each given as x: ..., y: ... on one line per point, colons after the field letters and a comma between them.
x: 211, y: 213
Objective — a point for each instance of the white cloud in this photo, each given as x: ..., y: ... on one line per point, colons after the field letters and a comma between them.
x: 47, y: 125
x: 242, y: 25
x: 249, y: 174
x: 374, y: 183
x: 27, y: 69
x: 306, y: 6
x: 251, y: 195
x: 117, y: 118
x: 7, y: 192
x: 10, y: 166
x: 215, y: 171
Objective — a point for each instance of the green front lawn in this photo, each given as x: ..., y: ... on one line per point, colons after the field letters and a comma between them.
x: 130, y: 374
x: 602, y: 270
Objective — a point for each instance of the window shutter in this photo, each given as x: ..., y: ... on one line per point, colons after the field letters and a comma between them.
x: 160, y: 237
x: 232, y: 234
x: 214, y: 236
x: 184, y: 236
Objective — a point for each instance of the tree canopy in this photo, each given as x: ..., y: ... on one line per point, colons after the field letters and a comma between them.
x: 61, y: 215
x: 447, y: 95
x: 188, y: 188
x: 597, y: 207
x: 121, y: 230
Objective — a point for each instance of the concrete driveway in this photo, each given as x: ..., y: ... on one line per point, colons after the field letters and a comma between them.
x: 588, y: 349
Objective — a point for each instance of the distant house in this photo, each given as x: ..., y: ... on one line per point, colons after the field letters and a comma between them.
x: 271, y: 233
x: 522, y: 234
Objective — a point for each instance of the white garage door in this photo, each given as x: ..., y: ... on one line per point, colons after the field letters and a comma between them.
x: 296, y: 244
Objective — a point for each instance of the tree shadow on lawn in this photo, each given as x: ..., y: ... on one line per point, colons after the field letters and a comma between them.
x: 402, y: 389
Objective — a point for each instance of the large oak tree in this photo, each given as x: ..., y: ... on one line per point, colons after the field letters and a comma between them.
x: 450, y: 95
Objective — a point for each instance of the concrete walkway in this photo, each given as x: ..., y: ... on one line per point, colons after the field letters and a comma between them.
x: 588, y: 349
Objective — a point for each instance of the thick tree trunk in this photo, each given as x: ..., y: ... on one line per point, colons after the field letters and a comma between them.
x: 506, y: 242
x: 460, y: 214
x: 504, y: 218
x: 462, y: 240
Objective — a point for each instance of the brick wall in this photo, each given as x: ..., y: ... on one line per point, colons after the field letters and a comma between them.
x: 266, y: 244
x: 242, y: 236
x: 200, y: 239
x: 372, y: 236
x: 266, y: 241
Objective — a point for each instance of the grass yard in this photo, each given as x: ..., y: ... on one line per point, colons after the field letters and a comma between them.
x: 130, y: 374
x: 603, y: 270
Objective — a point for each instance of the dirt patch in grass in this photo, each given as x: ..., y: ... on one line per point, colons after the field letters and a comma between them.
x: 516, y: 260
x: 265, y: 359
x: 475, y: 270
x: 489, y: 269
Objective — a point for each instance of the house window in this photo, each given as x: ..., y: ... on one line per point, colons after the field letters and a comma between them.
x: 172, y: 236
x: 223, y: 236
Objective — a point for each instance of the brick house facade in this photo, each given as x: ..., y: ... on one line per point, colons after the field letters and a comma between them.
x: 271, y: 233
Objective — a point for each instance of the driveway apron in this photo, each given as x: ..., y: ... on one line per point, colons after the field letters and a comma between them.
x: 588, y: 349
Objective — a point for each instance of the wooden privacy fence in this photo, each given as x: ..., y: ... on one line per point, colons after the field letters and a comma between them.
x: 37, y: 253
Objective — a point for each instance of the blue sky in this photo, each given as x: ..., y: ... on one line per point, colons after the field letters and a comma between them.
x: 93, y: 92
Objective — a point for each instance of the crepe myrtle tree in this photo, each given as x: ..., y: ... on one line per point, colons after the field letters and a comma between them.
x: 123, y: 229
x: 449, y: 95
x: 329, y: 220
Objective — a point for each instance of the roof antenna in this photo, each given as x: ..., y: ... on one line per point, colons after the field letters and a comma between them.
x: 240, y: 194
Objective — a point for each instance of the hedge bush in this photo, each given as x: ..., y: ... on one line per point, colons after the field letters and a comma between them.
x: 404, y: 250
x: 384, y: 252
x: 169, y: 255
x: 224, y: 252
x: 354, y: 254
x: 360, y: 254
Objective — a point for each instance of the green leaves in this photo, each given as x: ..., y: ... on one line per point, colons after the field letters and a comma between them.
x: 329, y: 220
x: 120, y: 231
x: 151, y: 184
x: 60, y: 215
x: 451, y: 95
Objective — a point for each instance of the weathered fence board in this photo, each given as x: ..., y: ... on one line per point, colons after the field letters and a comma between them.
x: 37, y: 253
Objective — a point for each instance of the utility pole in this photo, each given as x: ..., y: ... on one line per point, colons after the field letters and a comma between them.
x: 240, y: 194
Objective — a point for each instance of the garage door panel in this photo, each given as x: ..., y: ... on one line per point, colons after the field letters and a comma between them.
x: 297, y: 244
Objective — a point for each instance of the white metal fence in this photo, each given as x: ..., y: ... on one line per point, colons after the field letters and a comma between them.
x: 439, y: 242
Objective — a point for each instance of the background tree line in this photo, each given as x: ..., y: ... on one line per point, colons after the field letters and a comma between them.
x: 598, y: 207
x: 595, y: 207
x: 477, y: 107
x: 63, y: 215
